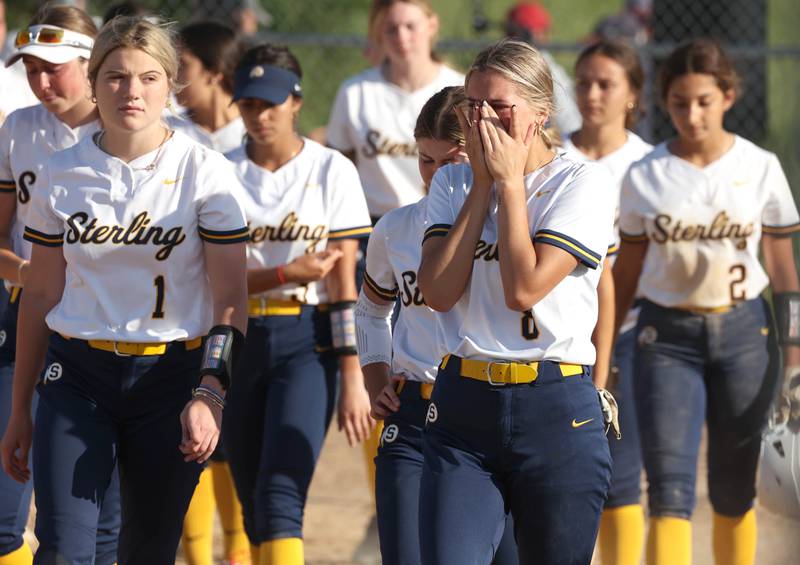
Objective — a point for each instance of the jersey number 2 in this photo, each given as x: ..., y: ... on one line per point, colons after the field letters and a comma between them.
x: 740, y: 271
x: 158, y: 282
x: 529, y: 329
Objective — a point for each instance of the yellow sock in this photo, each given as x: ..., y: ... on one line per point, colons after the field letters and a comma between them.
x: 621, y: 537
x: 285, y: 551
x: 735, y: 539
x: 20, y: 556
x: 237, y: 546
x: 198, y: 524
x: 669, y: 541
x: 370, y: 451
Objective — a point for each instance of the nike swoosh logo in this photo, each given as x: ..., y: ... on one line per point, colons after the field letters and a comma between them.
x: 170, y: 182
x: 576, y: 424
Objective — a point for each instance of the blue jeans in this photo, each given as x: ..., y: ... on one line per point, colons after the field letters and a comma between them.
x: 693, y: 369
x: 626, y: 452
x: 537, y: 450
x: 278, y: 408
x: 98, y: 410
x: 398, y: 470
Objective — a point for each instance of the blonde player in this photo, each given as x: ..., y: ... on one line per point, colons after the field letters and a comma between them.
x: 510, y: 259
x: 54, y: 50
x: 694, y: 214
x: 207, y: 52
x: 399, y: 362
x: 302, y: 200
x: 132, y: 218
x: 608, y: 83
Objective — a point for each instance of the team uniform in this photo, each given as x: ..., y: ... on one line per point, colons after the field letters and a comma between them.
x: 125, y: 353
x: 27, y: 139
x: 282, y: 398
x: 393, y: 255
x: 706, y: 348
x: 625, y: 453
x: 514, y: 418
x: 225, y: 139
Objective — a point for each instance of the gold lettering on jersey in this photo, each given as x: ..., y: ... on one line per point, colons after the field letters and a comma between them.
x: 290, y: 229
x: 377, y: 144
x: 410, y: 294
x: 85, y: 230
x: 486, y: 251
x: 722, y: 227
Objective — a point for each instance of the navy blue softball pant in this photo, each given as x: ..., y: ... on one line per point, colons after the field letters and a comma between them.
x: 537, y: 450
x: 278, y: 409
x: 98, y: 410
x: 397, y: 484
x: 721, y: 370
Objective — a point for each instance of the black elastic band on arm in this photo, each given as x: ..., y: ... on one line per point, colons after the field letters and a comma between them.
x: 223, y: 345
x: 787, y: 317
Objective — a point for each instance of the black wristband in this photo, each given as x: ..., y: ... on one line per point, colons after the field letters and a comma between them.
x: 787, y: 317
x: 223, y: 344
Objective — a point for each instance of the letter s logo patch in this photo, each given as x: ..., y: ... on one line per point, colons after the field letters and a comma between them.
x: 53, y: 372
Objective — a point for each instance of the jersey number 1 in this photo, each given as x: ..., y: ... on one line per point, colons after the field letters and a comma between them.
x: 158, y: 282
x: 529, y: 329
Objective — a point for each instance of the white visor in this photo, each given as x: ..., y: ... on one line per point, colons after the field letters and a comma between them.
x: 70, y: 46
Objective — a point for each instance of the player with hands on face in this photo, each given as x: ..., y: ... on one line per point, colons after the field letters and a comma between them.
x: 695, y: 212
x: 306, y: 213
x: 510, y: 260
x: 609, y: 80
x: 54, y: 50
x: 133, y: 216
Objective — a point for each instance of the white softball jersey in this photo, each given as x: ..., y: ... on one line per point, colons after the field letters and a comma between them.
x: 375, y: 119
x: 27, y: 139
x: 133, y: 237
x: 314, y: 198
x: 617, y: 163
x: 393, y: 257
x: 225, y: 139
x: 703, y: 225
x: 570, y: 205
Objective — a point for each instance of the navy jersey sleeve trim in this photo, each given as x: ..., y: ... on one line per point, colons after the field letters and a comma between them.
x: 632, y: 238
x: 436, y: 230
x: 229, y: 236
x: 40, y: 238
x: 350, y: 233
x: 783, y: 231
x: 386, y: 294
x: 572, y: 246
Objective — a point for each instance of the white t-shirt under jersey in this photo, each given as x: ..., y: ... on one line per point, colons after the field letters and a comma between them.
x: 133, y: 238
x: 225, y: 139
x: 570, y: 205
x: 314, y: 198
x: 704, y: 224
x: 393, y: 257
x: 375, y: 118
x: 27, y: 139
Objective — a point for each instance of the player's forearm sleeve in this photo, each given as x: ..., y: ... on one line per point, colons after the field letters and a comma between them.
x: 373, y: 331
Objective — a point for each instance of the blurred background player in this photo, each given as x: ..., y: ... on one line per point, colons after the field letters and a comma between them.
x: 302, y: 200
x: 54, y: 50
x: 400, y: 363
x: 207, y: 52
x: 530, y: 22
x: 510, y: 260
x: 694, y: 213
x: 14, y: 90
x: 162, y: 419
x: 608, y: 86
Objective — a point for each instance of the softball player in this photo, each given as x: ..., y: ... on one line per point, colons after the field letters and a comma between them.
x: 373, y: 116
x: 510, y: 259
x: 302, y: 200
x: 693, y: 213
x: 400, y: 397
x: 133, y: 217
x: 609, y: 80
x: 54, y: 50
x: 207, y: 49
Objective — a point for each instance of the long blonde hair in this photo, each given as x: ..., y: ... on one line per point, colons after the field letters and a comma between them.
x: 522, y: 65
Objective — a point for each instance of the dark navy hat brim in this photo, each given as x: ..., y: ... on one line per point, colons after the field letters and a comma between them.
x: 265, y: 82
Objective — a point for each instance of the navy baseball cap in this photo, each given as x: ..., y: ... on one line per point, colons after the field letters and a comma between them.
x: 266, y: 82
